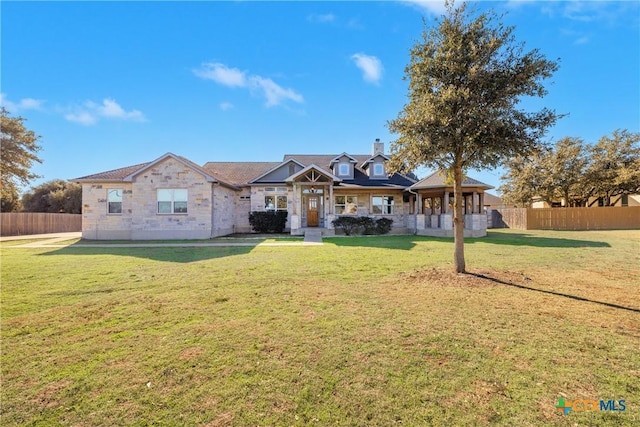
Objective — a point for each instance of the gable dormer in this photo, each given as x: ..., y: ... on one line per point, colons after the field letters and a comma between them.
x: 376, y: 166
x: 343, y: 165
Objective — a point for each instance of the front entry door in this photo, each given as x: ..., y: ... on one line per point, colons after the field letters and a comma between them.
x: 312, y: 211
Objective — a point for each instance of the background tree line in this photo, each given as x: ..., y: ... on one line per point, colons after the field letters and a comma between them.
x: 18, y: 151
x: 576, y: 172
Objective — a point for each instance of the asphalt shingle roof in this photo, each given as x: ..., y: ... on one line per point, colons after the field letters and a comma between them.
x: 437, y: 180
x: 238, y: 173
x: 113, y: 175
x: 241, y: 173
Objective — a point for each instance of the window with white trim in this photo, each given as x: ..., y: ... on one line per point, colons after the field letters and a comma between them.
x: 275, y: 203
x: 378, y: 169
x: 172, y: 200
x: 114, y: 200
x: 346, y: 205
x: 382, y: 205
x: 344, y: 169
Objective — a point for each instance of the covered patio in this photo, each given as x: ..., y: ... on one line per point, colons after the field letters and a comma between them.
x: 434, y: 206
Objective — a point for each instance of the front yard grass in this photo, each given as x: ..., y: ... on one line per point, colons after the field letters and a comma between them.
x: 372, y: 331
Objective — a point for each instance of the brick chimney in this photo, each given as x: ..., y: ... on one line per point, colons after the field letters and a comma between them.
x: 378, y: 147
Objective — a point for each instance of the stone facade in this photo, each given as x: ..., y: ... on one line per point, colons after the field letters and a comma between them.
x: 97, y: 223
x: 140, y: 219
x: 174, y: 198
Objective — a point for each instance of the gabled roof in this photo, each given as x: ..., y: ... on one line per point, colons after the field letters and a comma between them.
x: 371, y: 159
x: 339, y: 156
x: 186, y: 162
x: 115, y: 175
x: 313, y: 167
x: 276, y: 168
x: 438, y: 180
x: 127, y: 174
x: 325, y: 160
x: 239, y: 173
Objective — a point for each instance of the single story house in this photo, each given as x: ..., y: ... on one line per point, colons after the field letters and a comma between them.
x: 171, y: 197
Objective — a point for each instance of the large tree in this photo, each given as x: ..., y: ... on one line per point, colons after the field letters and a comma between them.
x: 552, y: 174
x: 466, y: 79
x: 18, y: 150
x: 523, y: 180
x: 55, y: 196
x: 614, y: 167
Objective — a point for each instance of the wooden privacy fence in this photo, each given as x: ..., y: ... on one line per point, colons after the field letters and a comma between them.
x: 602, y: 218
x: 23, y: 223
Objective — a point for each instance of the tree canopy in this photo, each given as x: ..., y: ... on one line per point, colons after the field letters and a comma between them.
x: 17, y: 150
x: 576, y: 172
x: 466, y: 78
x: 55, y: 196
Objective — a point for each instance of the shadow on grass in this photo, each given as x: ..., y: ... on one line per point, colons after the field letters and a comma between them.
x: 522, y: 239
x: 407, y: 242
x: 178, y: 254
x: 560, y: 294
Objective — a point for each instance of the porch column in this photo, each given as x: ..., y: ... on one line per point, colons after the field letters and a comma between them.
x: 481, y: 197
x: 419, y: 200
x: 445, y: 208
x: 295, y: 199
x: 331, y: 207
x: 475, y: 200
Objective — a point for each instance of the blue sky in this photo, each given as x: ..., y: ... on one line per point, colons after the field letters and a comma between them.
x: 112, y: 84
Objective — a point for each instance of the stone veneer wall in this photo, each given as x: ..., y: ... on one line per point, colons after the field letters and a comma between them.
x: 146, y: 223
x: 224, y: 201
x: 242, y: 208
x: 401, y: 210
x: 258, y: 194
x: 97, y: 224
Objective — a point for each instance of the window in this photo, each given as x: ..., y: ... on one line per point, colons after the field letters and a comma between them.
x: 382, y: 205
x: 275, y: 203
x: 172, y: 201
x: 343, y: 169
x: 346, y: 205
x: 114, y: 201
x: 378, y: 169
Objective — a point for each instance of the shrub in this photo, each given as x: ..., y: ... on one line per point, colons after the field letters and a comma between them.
x: 383, y: 225
x: 362, y: 225
x: 368, y: 225
x: 268, y: 222
x: 349, y: 224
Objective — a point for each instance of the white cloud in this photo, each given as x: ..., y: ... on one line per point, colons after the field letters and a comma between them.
x: 222, y: 74
x: 274, y: 93
x: 232, y: 77
x: 23, y: 104
x: 370, y: 65
x: 90, y: 113
x: 112, y: 109
x: 433, y: 7
x: 225, y: 106
x: 321, y: 19
x: 82, y: 117
x: 582, y: 40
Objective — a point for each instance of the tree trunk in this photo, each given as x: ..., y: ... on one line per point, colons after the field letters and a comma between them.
x: 458, y: 221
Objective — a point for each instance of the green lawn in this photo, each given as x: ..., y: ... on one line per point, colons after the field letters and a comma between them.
x: 370, y: 331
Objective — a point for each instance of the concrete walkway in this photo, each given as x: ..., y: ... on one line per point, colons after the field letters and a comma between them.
x: 313, y: 237
x: 59, y: 236
x: 53, y: 241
